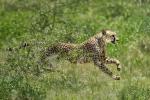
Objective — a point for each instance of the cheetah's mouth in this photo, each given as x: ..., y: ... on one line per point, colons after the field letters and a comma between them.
x: 113, y: 40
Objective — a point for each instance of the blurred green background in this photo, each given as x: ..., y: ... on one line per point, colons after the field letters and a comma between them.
x: 42, y: 23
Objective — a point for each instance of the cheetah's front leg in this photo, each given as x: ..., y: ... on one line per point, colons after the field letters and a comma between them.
x: 114, y: 61
x: 102, y: 66
x: 106, y: 70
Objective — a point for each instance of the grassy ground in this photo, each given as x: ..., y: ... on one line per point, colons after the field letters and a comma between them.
x: 44, y: 22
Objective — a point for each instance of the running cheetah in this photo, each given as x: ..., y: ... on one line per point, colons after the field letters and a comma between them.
x: 94, y: 48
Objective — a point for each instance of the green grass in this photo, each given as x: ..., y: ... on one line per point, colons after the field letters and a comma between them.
x: 42, y: 23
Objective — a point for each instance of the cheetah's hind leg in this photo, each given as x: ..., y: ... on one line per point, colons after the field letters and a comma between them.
x: 49, y: 63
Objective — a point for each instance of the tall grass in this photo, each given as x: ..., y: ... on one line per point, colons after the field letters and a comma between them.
x: 42, y: 23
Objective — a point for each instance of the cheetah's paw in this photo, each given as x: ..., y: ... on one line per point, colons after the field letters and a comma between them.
x: 116, y: 77
x: 118, y: 67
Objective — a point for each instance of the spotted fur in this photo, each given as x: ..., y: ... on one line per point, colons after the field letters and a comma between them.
x: 94, y: 48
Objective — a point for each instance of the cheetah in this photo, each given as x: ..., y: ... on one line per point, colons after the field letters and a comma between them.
x: 94, y: 48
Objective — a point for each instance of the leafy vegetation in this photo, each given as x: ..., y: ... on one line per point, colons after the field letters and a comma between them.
x: 41, y: 23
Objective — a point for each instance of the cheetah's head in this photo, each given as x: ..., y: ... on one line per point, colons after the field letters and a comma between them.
x: 109, y: 36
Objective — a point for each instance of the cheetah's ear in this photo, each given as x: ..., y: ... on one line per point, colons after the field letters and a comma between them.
x: 104, y: 32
